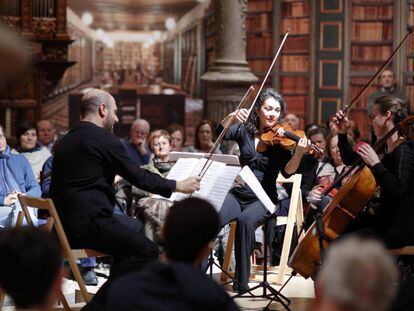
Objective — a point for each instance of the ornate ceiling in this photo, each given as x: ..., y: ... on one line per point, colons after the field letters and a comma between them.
x: 134, y: 15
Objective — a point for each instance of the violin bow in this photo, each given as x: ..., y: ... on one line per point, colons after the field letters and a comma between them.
x: 269, y: 71
x: 223, y: 132
x: 379, y: 71
x: 246, y: 96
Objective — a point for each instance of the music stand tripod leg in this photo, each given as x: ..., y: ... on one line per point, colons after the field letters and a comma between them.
x: 277, y: 296
x: 209, y: 268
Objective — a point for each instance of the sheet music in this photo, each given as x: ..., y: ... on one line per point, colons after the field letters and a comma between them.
x: 214, y: 185
x: 250, y: 179
x: 222, y: 186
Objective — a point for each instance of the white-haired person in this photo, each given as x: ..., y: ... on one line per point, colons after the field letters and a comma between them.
x: 357, y: 274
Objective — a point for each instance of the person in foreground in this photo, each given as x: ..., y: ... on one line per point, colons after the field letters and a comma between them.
x: 30, y: 267
x: 357, y: 274
x: 177, y: 283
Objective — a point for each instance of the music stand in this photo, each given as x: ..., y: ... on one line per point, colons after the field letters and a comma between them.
x: 211, y: 263
x: 274, y: 295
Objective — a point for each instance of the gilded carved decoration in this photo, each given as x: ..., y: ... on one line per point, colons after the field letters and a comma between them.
x: 44, y: 26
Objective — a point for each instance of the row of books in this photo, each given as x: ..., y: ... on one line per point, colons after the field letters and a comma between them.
x: 372, y: 11
x: 258, y: 22
x: 259, y: 5
x: 371, y: 52
x: 259, y: 45
x: 295, y: 9
x: 294, y: 63
x: 372, y: 31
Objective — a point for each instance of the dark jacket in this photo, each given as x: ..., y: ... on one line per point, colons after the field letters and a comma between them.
x: 84, y: 166
x: 173, y: 286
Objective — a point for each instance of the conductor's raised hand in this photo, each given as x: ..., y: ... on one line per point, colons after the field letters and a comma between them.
x: 188, y: 185
x: 341, y: 121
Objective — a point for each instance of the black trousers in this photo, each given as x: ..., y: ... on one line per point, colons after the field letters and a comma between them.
x: 249, y: 216
x: 123, y: 238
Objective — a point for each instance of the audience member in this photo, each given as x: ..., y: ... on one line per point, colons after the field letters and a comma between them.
x: 387, y: 87
x: 178, y: 137
x: 136, y: 144
x: 30, y: 268
x: 177, y: 283
x: 293, y: 121
x: 26, y: 137
x: 47, y: 134
x: 204, y: 138
x: 16, y: 178
x: 356, y: 275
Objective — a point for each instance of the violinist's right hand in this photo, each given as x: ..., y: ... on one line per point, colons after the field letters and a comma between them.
x: 188, y: 185
x: 342, y: 122
x: 240, y: 115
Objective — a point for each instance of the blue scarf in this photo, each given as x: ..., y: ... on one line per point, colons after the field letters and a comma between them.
x: 8, y: 182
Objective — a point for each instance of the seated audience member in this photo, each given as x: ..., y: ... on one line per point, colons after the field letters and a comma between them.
x: 159, y: 142
x: 30, y: 268
x: 335, y: 159
x: 136, y: 144
x: 16, y: 177
x: 154, y: 210
x: 315, y: 170
x: 26, y: 136
x: 47, y: 134
x: 177, y: 134
x: 356, y: 275
x: 293, y: 121
x: 177, y: 283
x: 204, y: 138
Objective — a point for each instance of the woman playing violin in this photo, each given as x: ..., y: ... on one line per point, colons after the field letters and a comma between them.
x: 394, y: 173
x: 266, y: 162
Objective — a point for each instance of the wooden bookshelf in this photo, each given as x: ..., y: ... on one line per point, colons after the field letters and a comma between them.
x: 259, y: 36
x: 372, y: 37
x: 169, y: 47
x: 294, y: 62
x: 189, y: 60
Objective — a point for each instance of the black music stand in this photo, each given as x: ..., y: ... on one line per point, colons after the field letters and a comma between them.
x: 274, y: 295
x: 211, y: 263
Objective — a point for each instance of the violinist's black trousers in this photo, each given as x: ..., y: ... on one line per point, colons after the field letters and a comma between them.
x: 249, y: 216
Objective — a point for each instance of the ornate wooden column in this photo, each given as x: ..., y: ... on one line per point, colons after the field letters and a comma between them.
x: 228, y: 79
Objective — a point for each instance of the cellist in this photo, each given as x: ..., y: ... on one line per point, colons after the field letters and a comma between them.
x: 266, y: 162
x: 394, y: 173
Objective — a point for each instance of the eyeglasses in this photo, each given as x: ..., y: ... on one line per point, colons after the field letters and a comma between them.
x: 141, y: 132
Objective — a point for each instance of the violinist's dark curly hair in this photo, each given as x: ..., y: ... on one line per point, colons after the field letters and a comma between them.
x: 253, y: 120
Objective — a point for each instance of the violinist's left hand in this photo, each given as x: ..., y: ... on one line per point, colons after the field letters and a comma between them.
x: 302, y: 146
x: 368, y: 154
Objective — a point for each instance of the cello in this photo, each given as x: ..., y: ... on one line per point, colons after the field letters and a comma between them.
x: 347, y: 203
x: 344, y: 207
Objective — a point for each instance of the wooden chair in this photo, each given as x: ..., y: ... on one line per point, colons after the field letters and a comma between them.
x: 53, y: 222
x: 19, y: 222
x: 295, y: 216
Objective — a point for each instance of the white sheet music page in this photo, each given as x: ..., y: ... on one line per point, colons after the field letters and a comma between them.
x: 249, y: 178
x: 214, y: 185
x: 222, y: 186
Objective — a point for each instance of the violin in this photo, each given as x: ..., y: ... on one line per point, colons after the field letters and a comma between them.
x: 286, y: 137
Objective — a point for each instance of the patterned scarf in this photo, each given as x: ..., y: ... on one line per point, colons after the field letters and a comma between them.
x: 8, y: 182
